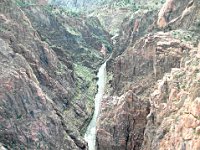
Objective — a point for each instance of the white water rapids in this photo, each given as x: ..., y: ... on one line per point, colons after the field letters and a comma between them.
x: 90, y: 135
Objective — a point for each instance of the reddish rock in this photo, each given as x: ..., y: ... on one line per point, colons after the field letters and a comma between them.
x: 174, y: 111
x: 180, y: 118
x: 121, y: 122
x: 38, y: 107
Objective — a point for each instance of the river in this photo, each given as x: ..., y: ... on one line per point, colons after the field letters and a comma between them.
x: 90, y: 135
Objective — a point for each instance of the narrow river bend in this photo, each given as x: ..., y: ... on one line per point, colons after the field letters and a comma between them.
x: 90, y: 135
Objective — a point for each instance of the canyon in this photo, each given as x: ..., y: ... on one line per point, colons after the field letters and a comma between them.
x: 141, y: 58
x: 90, y: 135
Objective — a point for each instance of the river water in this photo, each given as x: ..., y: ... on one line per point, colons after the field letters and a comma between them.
x: 90, y: 135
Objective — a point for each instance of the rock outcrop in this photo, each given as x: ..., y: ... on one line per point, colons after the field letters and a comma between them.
x: 149, y: 59
x: 122, y: 122
x: 33, y: 96
x: 70, y: 34
x: 48, y: 60
x: 46, y: 97
x: 164, y: 50
x: 30, y: 119
x: 173, y: 122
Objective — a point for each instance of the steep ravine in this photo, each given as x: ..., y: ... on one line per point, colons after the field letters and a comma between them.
x: 90, y: 135
x: 48, y: 61
x: 46, y: 87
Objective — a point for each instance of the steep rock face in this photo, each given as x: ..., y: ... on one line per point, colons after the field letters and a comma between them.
x: 132, y: 28
x: 45, y: 100
x: 121, y: 122
x: 135, y: 71
x: 113, y: 12
x: 175, y: 110
x: 178, y: 14
x: 74, y: 38
x: 145, y: 60
x: 112, y: 18
x: 70, y: 34
x: 39, y: 105
x: 29, y: 118
x: 174, y: 14
x: 149, y: 59
x: 174, y: 118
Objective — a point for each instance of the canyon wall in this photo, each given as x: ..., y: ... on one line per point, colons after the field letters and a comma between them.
x: 152, y: 100
x: 49, y: 58
x: 47, y: 77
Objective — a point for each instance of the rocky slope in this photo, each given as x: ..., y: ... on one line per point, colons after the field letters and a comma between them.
x: 49, y: 57
x: 47, y: 70
x: 164, y: 43
x: 68, y: 32
x: 174, y: 122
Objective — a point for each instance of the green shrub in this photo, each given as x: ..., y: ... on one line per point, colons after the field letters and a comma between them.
x: 21, y: 3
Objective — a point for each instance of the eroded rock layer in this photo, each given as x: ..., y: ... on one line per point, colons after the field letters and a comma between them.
x: 48, y: 61
x: 46, y: 90
x: 164, y: 52
x: 173, y: 122
x: 122, y: 122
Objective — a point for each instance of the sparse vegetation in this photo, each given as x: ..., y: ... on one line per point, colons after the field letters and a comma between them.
x: 21, y: 3
x: 185, y: 36
x: 85, y: 83
x: 61, y: 69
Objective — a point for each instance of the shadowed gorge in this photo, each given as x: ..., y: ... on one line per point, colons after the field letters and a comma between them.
x: 100, y: 75
x: 90, y: 135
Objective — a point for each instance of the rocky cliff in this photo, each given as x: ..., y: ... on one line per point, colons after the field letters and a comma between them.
x: 152, y: 100
x: 49, y: 57
x: 173, y: 122
x: 47, y: 75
